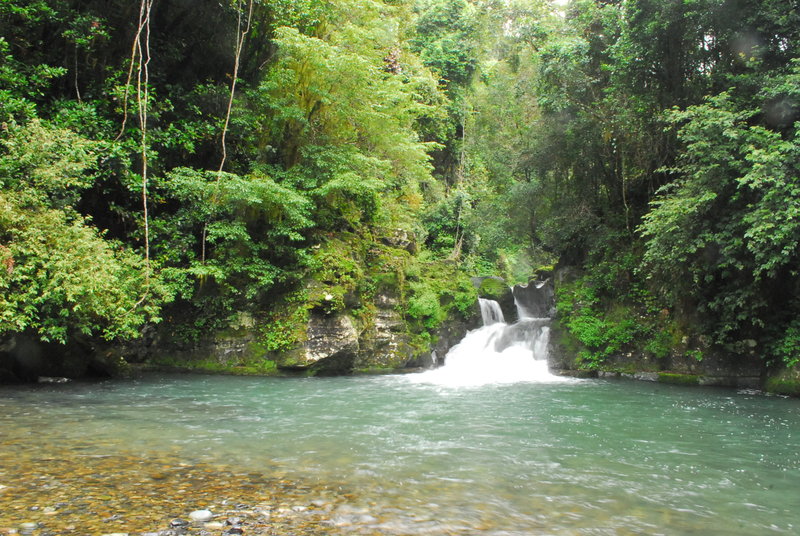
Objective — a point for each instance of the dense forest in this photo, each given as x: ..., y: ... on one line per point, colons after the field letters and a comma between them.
x: 173, y: 164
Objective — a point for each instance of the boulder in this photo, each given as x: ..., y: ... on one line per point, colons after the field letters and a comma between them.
x: 331, y: 346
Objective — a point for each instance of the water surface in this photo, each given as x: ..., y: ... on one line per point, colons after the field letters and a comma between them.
x: 579, y: 457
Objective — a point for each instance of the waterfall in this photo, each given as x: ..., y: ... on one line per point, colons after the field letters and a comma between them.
x: 490, y: 312
x: 499, y: 353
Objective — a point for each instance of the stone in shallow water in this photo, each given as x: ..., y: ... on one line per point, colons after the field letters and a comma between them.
x: 201, y: 516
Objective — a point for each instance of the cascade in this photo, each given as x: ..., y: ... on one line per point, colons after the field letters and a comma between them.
x: 501, y: 353
x: 491, y: 313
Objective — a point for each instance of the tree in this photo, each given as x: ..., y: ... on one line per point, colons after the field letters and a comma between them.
x: 60, y: 278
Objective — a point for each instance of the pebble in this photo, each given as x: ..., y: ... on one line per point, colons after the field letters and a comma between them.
x: 201, y: 516
x: 121, y: 489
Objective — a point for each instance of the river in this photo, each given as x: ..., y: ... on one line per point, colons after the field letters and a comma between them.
x: 400, y: 455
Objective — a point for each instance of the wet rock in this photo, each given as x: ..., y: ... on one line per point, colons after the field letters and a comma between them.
x: 201, y: 516
x: 53, y: 379
x: 178, y: 523
x: 233, y: 521
x: 536, y: 299
x: 234, y: 530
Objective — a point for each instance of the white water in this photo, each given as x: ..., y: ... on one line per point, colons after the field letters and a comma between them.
x: 490, y: 312
x: 497, y: 353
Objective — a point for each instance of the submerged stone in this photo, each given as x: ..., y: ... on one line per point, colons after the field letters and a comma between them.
x: 201, y: 516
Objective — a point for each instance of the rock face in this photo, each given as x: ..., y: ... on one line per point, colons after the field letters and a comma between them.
x: 715, y: 369
x: 339, y: 344
x: 332, y: 344
x: 385, y: 344
x: 536, y: 299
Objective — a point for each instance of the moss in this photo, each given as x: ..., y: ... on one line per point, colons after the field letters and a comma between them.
x: 441, y: 291
x: 783, y: 385
x: 625, y: 369
x: 493, y: 289
x: 328, y: 299
x: 375, y: 370
x: 678, y: 379
x: 255, y: 367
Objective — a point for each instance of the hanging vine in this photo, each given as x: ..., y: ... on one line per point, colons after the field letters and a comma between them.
x: 242, y: 33
x: 240, y: 37
x: 142, y: 101
x: 144, y: 21
x: 139, y: 62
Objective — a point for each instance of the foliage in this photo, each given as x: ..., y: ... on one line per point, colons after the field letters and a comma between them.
x: 60, y: 278
x: 438, y: 290
x: 651, y: 145
x: 726, y: 229
x: 230, y: 240
x: 600, y: 335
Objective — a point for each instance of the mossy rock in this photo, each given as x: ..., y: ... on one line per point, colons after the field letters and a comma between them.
x: 785, y: 383
x: 678, y: 379
x: 493, y: 288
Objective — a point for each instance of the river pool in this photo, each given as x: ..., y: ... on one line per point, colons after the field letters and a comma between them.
x: 395, y: 455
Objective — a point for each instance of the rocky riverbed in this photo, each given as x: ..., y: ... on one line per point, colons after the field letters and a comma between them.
x: 135, y: 495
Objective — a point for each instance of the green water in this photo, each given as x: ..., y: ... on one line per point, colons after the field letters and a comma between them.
x: 583, y: 457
